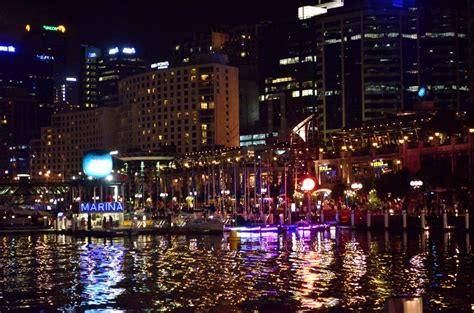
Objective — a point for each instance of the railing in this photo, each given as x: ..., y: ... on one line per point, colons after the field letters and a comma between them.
x: 397, y: 219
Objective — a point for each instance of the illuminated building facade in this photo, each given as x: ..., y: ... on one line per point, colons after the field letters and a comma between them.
x: 116, y: 63
x: 182, y: 110
x: 47, y: 47
x: 58, y: 153
x: 240, y: 44
x: 30, y: 69
x: 19, y: 122
x: 66, y: 94
x: 191, y: 107
x: 470, y: 28
x: 444, y: 53
x: 101, y: 69
x: 364, y: 60
x: 88, y: 88
x: 289, y: 76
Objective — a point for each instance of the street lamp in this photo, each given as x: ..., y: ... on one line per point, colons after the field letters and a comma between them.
x: 356, y: 186
x: 416, y: 184
x: 163, y: 195
x: 193, y: 194
x: 307, y: 186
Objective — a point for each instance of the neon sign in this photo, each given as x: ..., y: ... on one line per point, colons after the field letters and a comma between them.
x: 44, y: 57
x: 160, y: 65
x: 128, y: 50
x: 101, y: 207
x: 59, y: 28
x: 379, y: 163
x: 113, y: 51
x: 324, y: 167
x: 9, y: 49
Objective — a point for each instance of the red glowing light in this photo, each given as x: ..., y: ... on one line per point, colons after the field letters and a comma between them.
x: 308, y: 184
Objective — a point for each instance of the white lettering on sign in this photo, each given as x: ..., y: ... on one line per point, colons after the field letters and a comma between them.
x: 101, y: 207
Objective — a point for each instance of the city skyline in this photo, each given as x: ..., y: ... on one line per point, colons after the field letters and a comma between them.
x: 247, y: 156
x: 108, y: 22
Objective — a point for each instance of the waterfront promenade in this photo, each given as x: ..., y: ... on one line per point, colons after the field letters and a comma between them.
x: 344, y: 219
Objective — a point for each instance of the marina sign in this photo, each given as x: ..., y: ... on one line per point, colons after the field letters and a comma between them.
x: 101, y: 207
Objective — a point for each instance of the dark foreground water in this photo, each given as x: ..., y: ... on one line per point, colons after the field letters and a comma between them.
x: 328, y: 271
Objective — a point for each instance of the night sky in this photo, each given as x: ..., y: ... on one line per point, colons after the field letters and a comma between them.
x: 151, y: 27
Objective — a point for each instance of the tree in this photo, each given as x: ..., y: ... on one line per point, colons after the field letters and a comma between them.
x: 338, y: 191
x: 393, y: 185
x: 445, y: 121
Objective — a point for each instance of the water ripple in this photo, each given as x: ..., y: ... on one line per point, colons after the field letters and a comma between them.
x: 305, y: 271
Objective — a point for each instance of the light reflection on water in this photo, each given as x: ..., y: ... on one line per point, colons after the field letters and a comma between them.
x: 306, y: 270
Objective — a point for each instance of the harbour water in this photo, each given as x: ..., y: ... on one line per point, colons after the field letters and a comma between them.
x: 327, y: 271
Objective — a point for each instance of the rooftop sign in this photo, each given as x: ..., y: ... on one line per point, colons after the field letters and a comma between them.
x: 59, y: 28
x: 113, y: 51
x: 9, y: 49
x: 160, y: 65
x: 128, y: 50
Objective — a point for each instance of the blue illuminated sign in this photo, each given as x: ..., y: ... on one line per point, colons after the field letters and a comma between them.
x: 101, y: 207
x: 422, y: 92
x: 9, y: 49
x: 44, y: 57
x: 113, y: 51
x: 92, y: 55
x: 127, y: 50
x: 97, y: 163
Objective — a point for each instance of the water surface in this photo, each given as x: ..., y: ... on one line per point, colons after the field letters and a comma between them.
x: 308, y: 271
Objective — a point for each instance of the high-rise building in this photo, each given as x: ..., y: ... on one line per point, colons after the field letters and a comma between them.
x: 289, y: 72
x: 57, y: 154
x: 47, y: 47
x: 12, y: 67
x: 470, y: 29
x: 116, y: 63
x: 369, y: 60
x: 29, y: 67
x: 101, y: 70
x: 66, y: 94
x: 240, y: 44
x: 191, y: 107
x: 351, y: 62
x: 444, y: 52
x: 182, y: 109
x: 88, y: 80
x: 20, y: 118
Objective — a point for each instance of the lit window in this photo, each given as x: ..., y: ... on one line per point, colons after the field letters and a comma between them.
x: 307, y: 92
x: 282, y: 80
x: 287, y: 61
